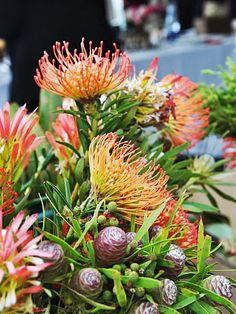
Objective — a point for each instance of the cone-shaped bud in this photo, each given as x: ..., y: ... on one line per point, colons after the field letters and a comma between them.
x: 145, y: 308
x: 167, y: 293
x: 87, y: 281
x: 220, y: 285
x: 130, y: 238
x: 154, y: 230
x: 110, y: 246
x: 177, y: 257
x: 58, y: 264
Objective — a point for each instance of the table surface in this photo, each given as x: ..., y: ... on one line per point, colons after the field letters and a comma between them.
x: 188, y: 56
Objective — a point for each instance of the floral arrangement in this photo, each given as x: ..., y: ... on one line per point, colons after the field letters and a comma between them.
x: 221, y: 100
x: 115, y: 231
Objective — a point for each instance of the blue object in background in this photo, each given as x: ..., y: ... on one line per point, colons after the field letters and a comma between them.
x: 5, y: 80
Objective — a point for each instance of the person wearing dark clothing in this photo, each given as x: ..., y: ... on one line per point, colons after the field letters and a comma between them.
x: 31, y: 27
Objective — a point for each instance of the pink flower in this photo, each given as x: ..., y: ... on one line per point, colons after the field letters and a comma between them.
x: 66, y: 130
x: 17, y: 140
x: 20, y: 261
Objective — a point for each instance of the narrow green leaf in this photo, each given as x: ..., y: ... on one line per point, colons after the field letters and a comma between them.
x: 148, y: 221
x: 119, y: 290
x: 199, y: 207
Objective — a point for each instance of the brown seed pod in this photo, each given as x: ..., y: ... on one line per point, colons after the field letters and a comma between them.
x: 220, y: 285
x: 87, y: 281
x: 177, y: 257
x: 154, y: 230
x: 58, y: 264
x: 130, y: 238
x: 110, y: 246
x: 167, y: 293
x: 145, y: 308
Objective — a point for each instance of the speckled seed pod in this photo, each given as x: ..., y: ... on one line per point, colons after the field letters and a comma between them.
x: 130, y: 238
x: 87, y: 281
x: 177, y: 257
x: 145, y: 308
x: 167, y: 293
x: 110, y: 246
x: 59, y: 265
x: 220, y: 285
x: 154, y: 230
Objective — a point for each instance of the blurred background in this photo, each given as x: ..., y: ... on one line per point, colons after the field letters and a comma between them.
x: 187, y: 36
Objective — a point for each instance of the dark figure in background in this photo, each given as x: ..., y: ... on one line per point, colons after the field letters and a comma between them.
x: 30, y: 27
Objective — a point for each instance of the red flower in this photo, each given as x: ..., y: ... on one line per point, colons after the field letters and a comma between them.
x: 7, y: 196
x: 181, y: 227
x: 84, y: 76
x: 66, y: 130
x: 191, y: 119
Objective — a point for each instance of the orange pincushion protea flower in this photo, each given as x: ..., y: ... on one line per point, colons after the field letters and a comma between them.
x: 7, y: 195
x: 191, y: 119
x: 16, y: 139
x: 229, y: 151
x: 120, y: 174
x: 84, y: 76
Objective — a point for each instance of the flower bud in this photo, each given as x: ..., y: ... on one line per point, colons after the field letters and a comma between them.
x: 167, y: 293
x: 130, y: 239
x: 219, y: 285
x: 110, y: 246
x: 87, y: 281
x: 58, y: 264
x: 145, y: 308
x: 154, y: 231
x: 112, y: 207
x: 177, y: 257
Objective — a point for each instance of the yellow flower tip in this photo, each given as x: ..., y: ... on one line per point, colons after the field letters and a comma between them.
x: 120, y: 174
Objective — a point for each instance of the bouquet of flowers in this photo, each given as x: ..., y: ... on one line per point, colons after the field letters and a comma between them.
x: 112, y: 233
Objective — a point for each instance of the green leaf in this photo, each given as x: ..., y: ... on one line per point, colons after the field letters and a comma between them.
x: 91, y: 253
x: 199, y: 207
x: 119, y: 290
x: 144, y: 282
x: 211, y: 295
x: 168, y: 310
x: 223, y: 194
x: 89, y: 224
x: 148, y: 221
x: 71, y: 147
x: 199, y: 308
x: 172, y: 153
x: 183, y: 301
x: 79, y: 171
x: 99, y: 306
x: 48, y: 186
